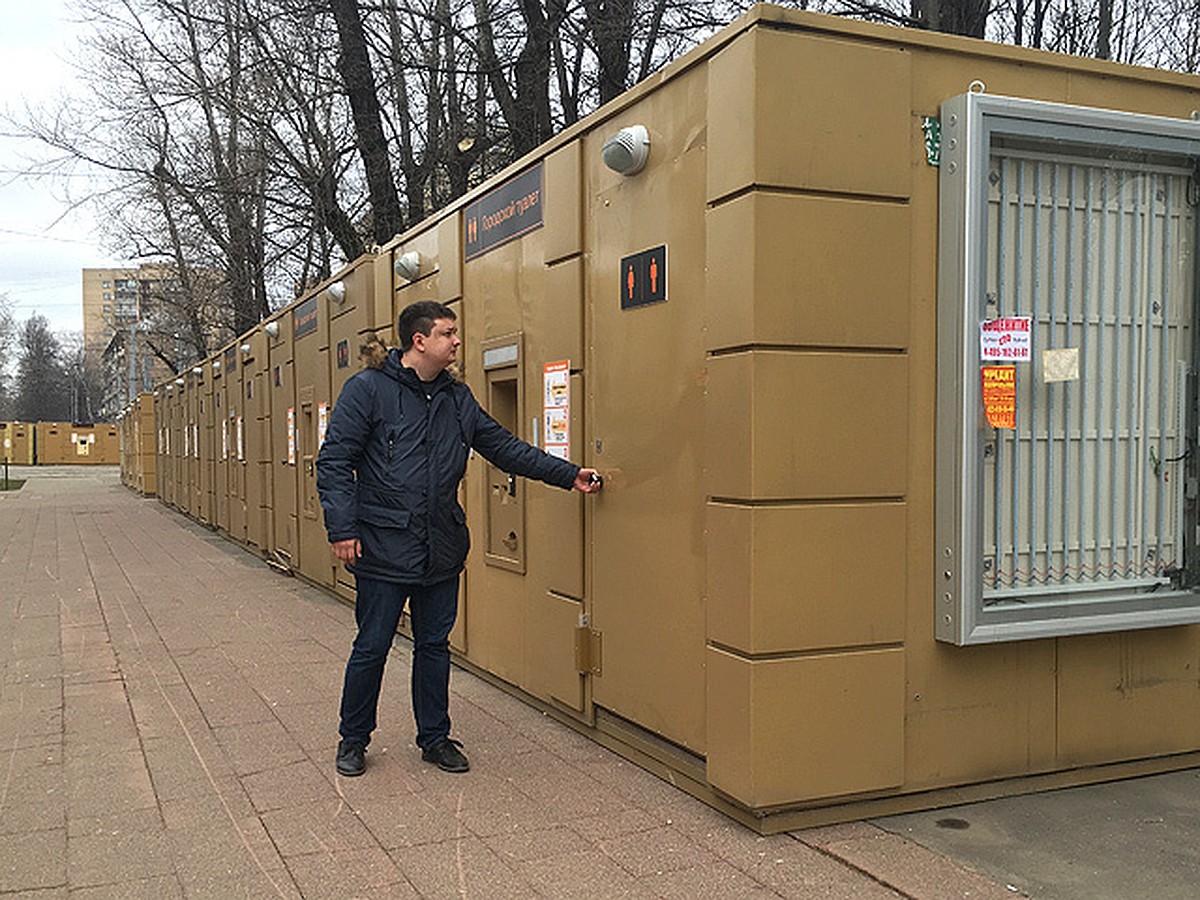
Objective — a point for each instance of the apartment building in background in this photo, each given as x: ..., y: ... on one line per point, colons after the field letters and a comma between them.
x: 117, y: 305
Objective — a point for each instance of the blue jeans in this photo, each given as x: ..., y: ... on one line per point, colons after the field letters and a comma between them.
x: 432, y: 609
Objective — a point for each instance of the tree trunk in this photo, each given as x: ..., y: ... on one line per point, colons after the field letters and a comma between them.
x: 1104, y: 30
x: 611, y: 22
x: 355, y: 68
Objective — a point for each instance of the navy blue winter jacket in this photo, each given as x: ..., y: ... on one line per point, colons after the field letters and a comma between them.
x: 388, y: 472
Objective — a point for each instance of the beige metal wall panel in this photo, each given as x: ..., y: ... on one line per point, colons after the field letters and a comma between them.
x: 939, y: 75
x: 162, y: 460
x: 235, y: 415
x: 440, y: 251
x: 221, y: 442
x: 556, y: 324
x: 555, y: 587
x: 23, y: 443
x: 978, y: 714
x: 449, y: 257
x: 256, y: 412
x: 16, y: 442
x: 788, y: 269
x: 165, y: 405
x: 49, y: 443
x: 284, y: 417
x: 563, y: 199
x: 173, y: 443
x: 555, y: 526
x: 552, y: 671
x: 159, y: 424
x: 802, y: 728
x: 427, y: 288
x: 195, y: 431
x: 209, y: 451
x: 645, y: 419
x: 167, y: 464
x: 1177, y: 102
x: 806, y: 577
x: 311, y: 367
x: 382, y: 293
x: 498, y: 591
x: 499, y: 288
x: 352, y: 321
x: 1127, y: 695
x: 144, y: 443
x: 513, y: 568
x: 807, y: 425
x: 837, y: 127
x: 169, y: 399
x: 108, y: 445
x: 182, y: 499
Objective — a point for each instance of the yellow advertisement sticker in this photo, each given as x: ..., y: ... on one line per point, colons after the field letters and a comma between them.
x: 1000, y: 395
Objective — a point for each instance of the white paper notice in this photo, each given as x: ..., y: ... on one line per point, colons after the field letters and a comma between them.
x: 1060, y: 365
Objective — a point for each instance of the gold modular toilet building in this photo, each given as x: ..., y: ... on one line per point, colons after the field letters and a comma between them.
x: 885, y: 343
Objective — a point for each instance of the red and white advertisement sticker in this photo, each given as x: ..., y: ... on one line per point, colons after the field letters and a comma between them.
x: 1008, y: 339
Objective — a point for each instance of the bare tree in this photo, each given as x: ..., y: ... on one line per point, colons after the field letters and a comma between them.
x: 255, y: 145
x: 84, y: 379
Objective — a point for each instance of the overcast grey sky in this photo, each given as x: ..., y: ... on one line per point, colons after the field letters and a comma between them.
x: 40, y: 261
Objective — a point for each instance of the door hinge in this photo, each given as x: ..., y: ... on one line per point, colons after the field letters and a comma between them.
x: 587, y: 651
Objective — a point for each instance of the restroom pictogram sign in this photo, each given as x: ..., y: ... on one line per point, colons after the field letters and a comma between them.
x: 644, y: 278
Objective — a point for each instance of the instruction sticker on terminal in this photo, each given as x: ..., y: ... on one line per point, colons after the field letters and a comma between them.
x: 1008, y: 339
x: 1000, y: 395
x: 556, y: 408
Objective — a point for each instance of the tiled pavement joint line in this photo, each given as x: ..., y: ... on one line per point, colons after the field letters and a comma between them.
x: 850, y: 864
x: 12, y: 762
x: 179, y: 720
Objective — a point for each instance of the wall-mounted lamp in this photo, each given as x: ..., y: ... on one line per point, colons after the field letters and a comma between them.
x: 179, y: 381
x: 245, y: 348
x: 626, y: 151
x: 408, y: 265
x: 337, y: 292
x: 272, y: 329
x: 216, y: 365
x: 198, y: 370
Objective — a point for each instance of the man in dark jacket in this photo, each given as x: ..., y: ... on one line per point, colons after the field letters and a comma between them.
x: 388, y: 475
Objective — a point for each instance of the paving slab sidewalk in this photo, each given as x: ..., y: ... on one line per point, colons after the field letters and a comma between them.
x: 168, y: 721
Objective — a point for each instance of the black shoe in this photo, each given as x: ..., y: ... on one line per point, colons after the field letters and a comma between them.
x: 350, y: 760
x: 446, y: 755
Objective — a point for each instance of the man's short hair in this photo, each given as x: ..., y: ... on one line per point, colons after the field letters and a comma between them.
x: 418, y: 318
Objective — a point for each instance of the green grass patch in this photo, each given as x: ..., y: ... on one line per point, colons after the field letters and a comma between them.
x: 13, y: 484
